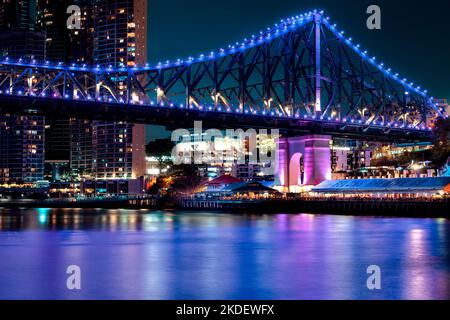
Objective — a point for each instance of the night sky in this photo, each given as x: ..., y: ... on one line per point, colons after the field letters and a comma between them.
x: 414, y: 40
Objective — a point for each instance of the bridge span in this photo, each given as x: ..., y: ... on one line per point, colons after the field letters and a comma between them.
x: 174, y: 118
x: 302, y: 76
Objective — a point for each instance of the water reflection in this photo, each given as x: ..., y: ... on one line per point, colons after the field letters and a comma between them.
x: 136, y: 254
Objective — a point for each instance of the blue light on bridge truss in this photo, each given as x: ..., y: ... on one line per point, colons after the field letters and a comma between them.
x: 264, y: 113
x: 298, y: 21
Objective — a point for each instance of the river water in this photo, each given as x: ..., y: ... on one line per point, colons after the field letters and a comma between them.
x: 138, y: 254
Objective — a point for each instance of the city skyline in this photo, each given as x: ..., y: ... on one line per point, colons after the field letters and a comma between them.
x: 117, y: 38
x: 308, y: 160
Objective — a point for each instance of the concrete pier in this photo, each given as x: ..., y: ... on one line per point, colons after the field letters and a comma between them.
x: 302, y: 161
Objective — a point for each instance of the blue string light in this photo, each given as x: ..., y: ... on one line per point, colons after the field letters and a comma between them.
x: 286, y: 25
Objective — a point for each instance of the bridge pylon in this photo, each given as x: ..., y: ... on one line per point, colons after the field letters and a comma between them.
x: 302, y: 161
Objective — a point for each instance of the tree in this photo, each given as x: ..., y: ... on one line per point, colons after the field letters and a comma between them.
x: 185, y: 177
x: 441, y: 136
x: 161, y: 149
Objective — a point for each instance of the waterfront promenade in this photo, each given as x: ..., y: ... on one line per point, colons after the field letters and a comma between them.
x: 418, y: 207
x: 372, y: 207
x: 94, y: 202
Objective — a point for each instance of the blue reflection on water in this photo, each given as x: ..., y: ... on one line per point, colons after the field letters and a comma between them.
x: 136, y: 254
x: 43, y: 215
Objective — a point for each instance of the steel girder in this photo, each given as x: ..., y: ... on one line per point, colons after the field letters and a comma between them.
x: 303, y: 68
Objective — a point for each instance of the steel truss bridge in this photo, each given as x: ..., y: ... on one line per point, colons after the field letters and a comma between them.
x: 301, y: 75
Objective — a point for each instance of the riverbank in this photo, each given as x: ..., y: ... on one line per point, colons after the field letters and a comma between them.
x: 360, y: 207
x: 113, y: 203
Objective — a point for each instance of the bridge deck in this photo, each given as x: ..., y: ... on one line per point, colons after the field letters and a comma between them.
x: 174, y: 117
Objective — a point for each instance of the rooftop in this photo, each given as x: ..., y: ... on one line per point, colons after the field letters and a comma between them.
x: 223, y: 180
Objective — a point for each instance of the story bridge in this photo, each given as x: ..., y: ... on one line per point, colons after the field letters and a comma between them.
x: 301, y: 75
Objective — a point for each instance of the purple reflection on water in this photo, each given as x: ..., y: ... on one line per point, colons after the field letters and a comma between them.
x: 135, y: 254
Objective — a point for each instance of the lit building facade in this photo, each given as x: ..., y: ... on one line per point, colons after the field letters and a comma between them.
x: 120, y: 39
x: 118, y: 36
x: 350, y: 159
x: 19, y: 36
x: 21, y: 149
x: 69, y: 46
x: 403, y: 161
x: 62, y: 43
x: 246, y: 172
x: 81, y: 160
x: 121, y: 32
x: 113, y: 151
x: 227, y: 155
x: 22, y: 138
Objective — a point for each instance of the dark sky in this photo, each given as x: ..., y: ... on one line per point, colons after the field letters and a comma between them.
x: 414, y: 40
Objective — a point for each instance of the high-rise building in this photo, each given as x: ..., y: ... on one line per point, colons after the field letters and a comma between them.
x: 68, y: 45
x: 18, y: 14
x: 57, y: 139
x: 21, y: 149
x: 21, y: 137
x: 113, y: 150
x: 120, y: 39
x: 121, y: 32
x: 80, y: 48
x: 81, y: 160
x: 51, y: 17
x: 19, y: 37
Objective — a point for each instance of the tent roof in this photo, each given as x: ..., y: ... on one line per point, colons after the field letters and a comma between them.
x: 225, y: 179
x: 251, y: 186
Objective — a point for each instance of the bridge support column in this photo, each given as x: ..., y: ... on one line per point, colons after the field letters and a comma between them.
x: 281, y: 162
x: 317, y: 159
x: 317, y: 66
x: 302, y: 161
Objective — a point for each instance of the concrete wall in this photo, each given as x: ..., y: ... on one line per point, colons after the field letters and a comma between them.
x: 315, y: 153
